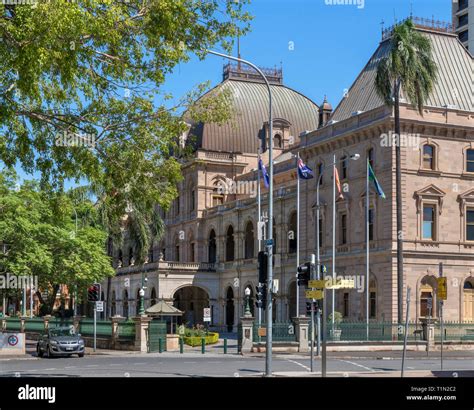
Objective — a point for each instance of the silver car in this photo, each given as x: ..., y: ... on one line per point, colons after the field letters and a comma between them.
x: 60, y: 341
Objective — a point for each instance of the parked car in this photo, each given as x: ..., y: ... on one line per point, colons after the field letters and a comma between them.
x: 60, y: 341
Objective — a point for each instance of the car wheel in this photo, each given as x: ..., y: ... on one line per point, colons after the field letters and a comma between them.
x: 39, y: 352
x: 81, y: 354
x: 48, y: 349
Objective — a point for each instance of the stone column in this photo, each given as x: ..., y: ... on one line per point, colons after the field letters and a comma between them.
x: 302, y: 332
x: 46, y: 320
x: 115, y: 335
x: 76, y: 322
x: 141, y: 328
x: 246, y: 341
x: 22, y: 324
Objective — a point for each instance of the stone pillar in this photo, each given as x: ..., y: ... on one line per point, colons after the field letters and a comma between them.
x: 46, y: 320
x: 302, y: 332
x: 115, y: 334
x: 22, y: 324
x: 246, y: 341
x: 3, y: 323
x: 141, y: 328
x: 76, y: 322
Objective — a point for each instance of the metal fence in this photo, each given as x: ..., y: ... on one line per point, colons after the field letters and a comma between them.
x: 103, y: 328
x: 281, y: 332
x: 455, y: 331
x: 126, y: 330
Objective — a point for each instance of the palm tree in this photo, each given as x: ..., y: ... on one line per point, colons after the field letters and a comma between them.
x: 408, y: 66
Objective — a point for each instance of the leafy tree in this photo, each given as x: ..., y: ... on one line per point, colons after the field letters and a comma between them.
x: 408, y: 66
x: 40, y: 230
x: 81, y: 95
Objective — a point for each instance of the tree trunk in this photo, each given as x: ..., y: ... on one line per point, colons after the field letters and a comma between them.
x: 398, y: 178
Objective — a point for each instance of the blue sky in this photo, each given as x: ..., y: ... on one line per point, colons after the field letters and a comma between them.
x: 332, y: 43
x: 322, y: 48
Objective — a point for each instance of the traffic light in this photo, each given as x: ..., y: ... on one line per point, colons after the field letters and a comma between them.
x: 261, y: 301
x: 262, y: 267
x: 93, y: 292
x: 304, y: 274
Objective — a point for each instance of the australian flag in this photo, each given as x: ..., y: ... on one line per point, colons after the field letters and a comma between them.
x: 266, y: 177
x: 304, y: 171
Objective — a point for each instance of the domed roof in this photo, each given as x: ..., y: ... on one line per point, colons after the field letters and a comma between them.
x: 250, y: 101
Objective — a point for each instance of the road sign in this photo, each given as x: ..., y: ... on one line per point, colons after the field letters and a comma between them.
x: 262, y: 331
x: 269, y: 242
x: 318, y: 284
x: 342, y: 284
x: 99, y: 305
x: 207, y: 314
x: 314, y: 294
x: 442, y: 290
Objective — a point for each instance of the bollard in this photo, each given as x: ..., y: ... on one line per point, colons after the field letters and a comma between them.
x: 203, y: 345
x: 181, y: 345
x: 225, y: 345
x: 160, y: 345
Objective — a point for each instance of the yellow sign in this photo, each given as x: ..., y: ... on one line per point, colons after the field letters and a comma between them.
x: 314, y: 294
x: 318, y: 284
x: 442, y: 291
x: 342, y: 284
x: 262, y: 331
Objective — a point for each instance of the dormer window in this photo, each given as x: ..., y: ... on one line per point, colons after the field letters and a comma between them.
x: 277, y: 141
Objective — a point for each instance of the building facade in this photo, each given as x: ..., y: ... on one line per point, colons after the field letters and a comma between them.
x: 463, y: 27
x: 208, y: 256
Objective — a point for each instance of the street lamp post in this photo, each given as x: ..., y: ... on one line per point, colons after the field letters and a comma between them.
x: 247, y: 312
x: 269, y: 242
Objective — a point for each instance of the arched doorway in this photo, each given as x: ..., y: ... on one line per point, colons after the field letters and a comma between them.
x: 468, y: 296
x: 212, y: 247
x: 291, y: 300
x: 428, y: 296
x: 229, y: 309
x: 191, y: 300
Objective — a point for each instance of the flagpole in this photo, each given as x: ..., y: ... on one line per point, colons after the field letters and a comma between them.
x: 367, y: 247
x: 333, y: 239
x: 259, y: 210
x: 297, y: 233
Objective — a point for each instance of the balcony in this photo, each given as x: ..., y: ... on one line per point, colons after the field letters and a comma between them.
x: 168, y: 266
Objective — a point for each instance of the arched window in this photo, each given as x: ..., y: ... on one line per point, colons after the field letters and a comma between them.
x: 427, y: 296
x: 125, y: 304
x: 212, y: 247
x: 120, y: 258
x: 153, y: 297
x: 468, y: 296
x: 292, y: 234
x: 428, y: 157
x: 229, y: 244
x: 137, y: 302
x: 370, y: 157
x: 277, y: 141
x: 113, y: 305
x: 249, y: 241
x: 344, y: 162
x: 150, y: 254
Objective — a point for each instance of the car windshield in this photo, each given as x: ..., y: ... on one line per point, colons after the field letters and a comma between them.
x: 62, y: 331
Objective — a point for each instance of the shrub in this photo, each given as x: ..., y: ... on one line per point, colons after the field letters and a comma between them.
x: 196, y: 340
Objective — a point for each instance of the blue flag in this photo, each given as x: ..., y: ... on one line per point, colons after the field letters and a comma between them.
x: 304, y: 171
x: 266, y: 177
x: 373, y: 178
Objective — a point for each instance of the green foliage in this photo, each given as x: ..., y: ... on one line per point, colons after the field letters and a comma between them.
x: 337, y: 318
x: 196, y: 340
x: 40, y: 230
x: 82, y: 99
x: 409, y: 64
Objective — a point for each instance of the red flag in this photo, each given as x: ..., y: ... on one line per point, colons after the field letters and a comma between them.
x: 338, y: 184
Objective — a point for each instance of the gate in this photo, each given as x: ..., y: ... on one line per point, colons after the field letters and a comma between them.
x: 156, y: 332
